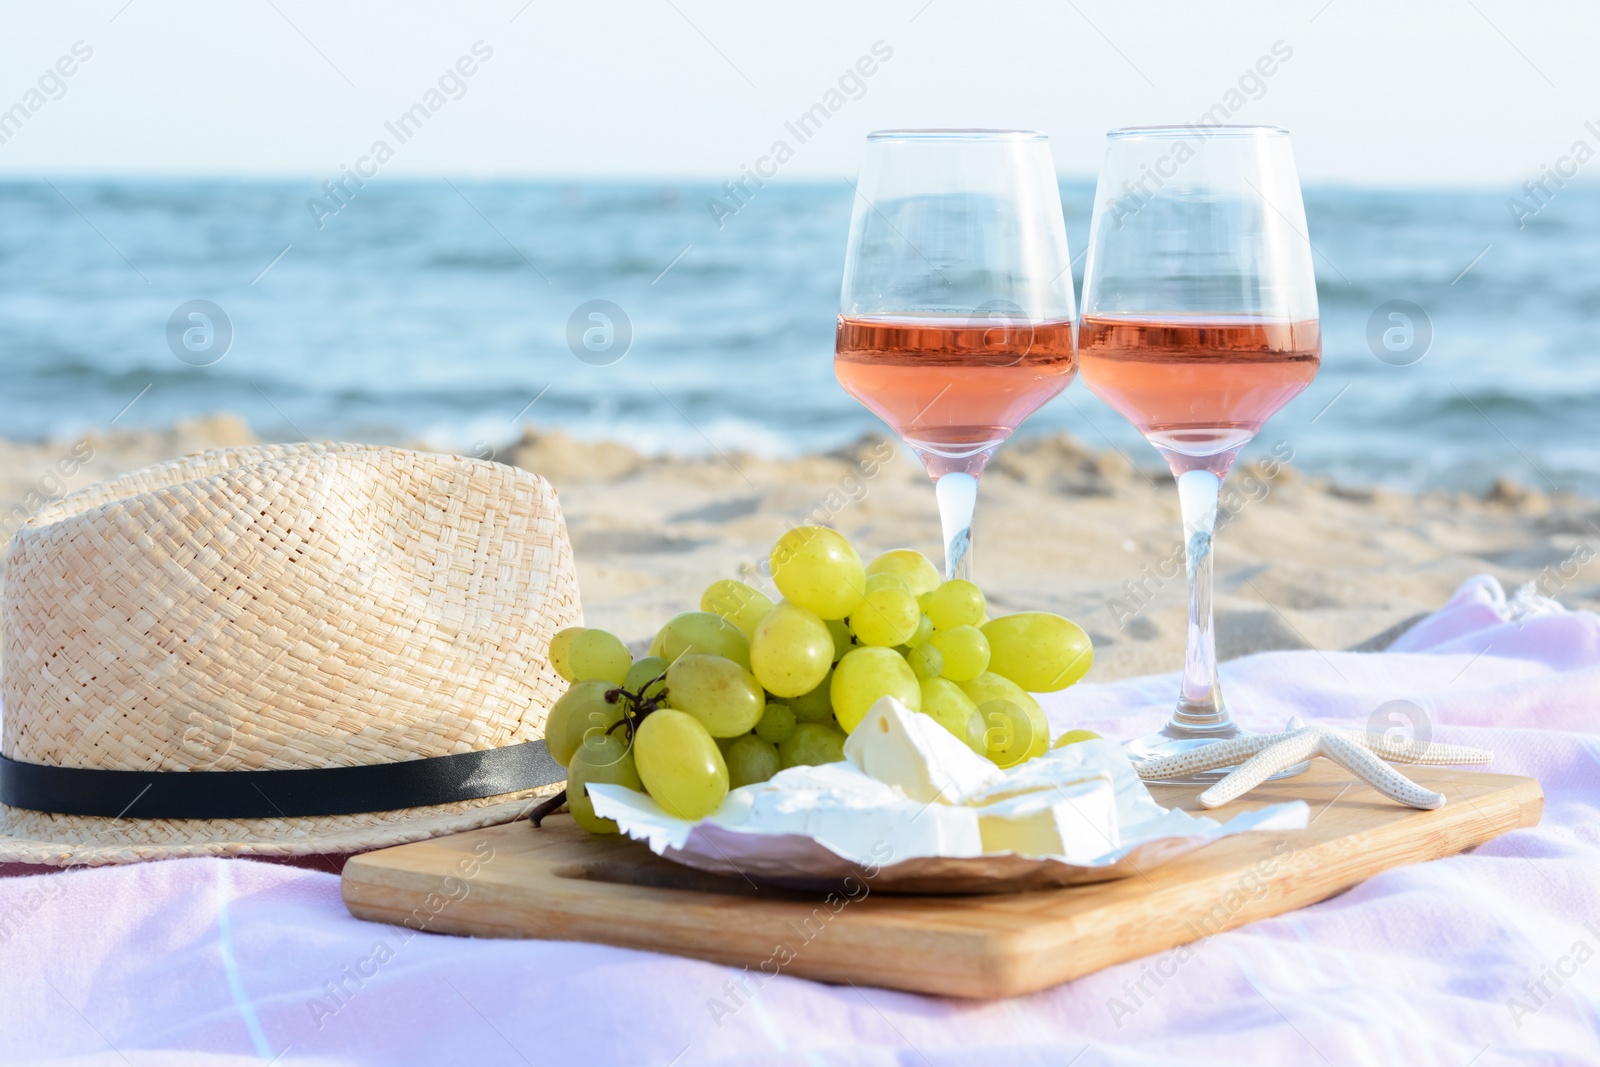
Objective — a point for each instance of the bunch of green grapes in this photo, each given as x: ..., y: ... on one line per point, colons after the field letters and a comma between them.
x: 901, y: 631
x: 731, y: 694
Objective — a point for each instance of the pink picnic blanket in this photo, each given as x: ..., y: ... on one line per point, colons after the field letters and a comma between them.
x: 1486, y: 958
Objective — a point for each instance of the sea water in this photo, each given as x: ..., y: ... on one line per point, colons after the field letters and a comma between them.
x: 454, y: 312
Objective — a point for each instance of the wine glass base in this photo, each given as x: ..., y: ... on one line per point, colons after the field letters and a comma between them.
x: 1172, y: 742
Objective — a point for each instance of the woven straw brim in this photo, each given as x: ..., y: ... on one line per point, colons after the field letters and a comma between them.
x: 79, y: 840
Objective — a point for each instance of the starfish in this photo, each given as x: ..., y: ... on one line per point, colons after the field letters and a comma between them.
x: 1258, y: 756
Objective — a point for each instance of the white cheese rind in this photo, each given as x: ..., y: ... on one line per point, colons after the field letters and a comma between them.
x: 864, y: 824
x: 909, y: 750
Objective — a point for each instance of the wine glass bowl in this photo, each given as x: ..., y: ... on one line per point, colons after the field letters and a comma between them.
x: 1199, y: 322
x: 956, y: 310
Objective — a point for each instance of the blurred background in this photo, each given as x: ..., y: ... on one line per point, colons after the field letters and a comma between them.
x: 392, y: 215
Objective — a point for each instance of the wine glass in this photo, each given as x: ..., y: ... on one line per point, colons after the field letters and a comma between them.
x: 1199, y: 321
x: 955, y: 319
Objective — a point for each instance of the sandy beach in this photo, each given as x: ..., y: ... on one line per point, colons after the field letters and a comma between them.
x: 1302, y: 562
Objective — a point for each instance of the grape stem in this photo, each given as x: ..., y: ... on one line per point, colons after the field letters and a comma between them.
x: 635, y: 706
x: 547, y: 807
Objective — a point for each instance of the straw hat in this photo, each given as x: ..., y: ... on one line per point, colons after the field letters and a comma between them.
x: 280, y: 650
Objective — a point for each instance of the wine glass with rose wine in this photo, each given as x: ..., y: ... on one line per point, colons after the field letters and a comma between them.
x: 955, y: 319
x: 1199, y: 322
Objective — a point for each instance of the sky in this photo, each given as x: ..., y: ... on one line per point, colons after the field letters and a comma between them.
x: 1428, y: 93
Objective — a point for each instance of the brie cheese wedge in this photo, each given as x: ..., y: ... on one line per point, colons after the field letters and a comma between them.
x: 909, y: 750
x: 1075, y: 821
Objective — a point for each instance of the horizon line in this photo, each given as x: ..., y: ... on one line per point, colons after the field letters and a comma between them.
x: 9, y: 177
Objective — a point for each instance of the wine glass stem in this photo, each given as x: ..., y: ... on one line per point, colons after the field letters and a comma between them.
x: 1200, y: 703
x: 958, y: 495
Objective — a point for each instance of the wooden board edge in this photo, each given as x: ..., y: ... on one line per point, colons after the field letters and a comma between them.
x: 389, y: 893
x: 986, y: 964
x: 1303, y: 883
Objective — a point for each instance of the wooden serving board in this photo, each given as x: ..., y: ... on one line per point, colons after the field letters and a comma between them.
x: 559, y: 882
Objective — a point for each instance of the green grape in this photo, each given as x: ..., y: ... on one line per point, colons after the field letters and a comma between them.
x: 842, y: 641
x: 724, y: 696
x: 556, y: 724
x: 582, y: 708
x: 1041, y: 735
x: 965, y: 650
x: 886, y: 617
x: 702, y: 632
x: 1039, y: 651
x: 791, y: 650
x: 817, y: 705
x: 976, y: 730
x: 606, y: 759
x: 864, y: 676
x: 1072, y: 737
x: 810, y: 744
x: 751, y: 760
x: 926, y: 662
x: 737, y: 602
x: 596, y: 656
x: 559, y: 644
x: 945, y: 703
x: 955, y: 603
x: 642, y: 673
x: 991, y: 687
x: 777, y: 723
x: 886, y: 581
x: 817, y: 568
x: 924, y: 633
x: 1008, y: 738
x: 679, y: 764
x: 911, y: 567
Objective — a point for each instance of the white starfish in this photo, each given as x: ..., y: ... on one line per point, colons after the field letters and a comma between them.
x: 1357, y: 751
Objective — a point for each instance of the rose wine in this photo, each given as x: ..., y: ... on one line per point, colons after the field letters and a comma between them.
x: 1198, y: 386
x: 953, y: 388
